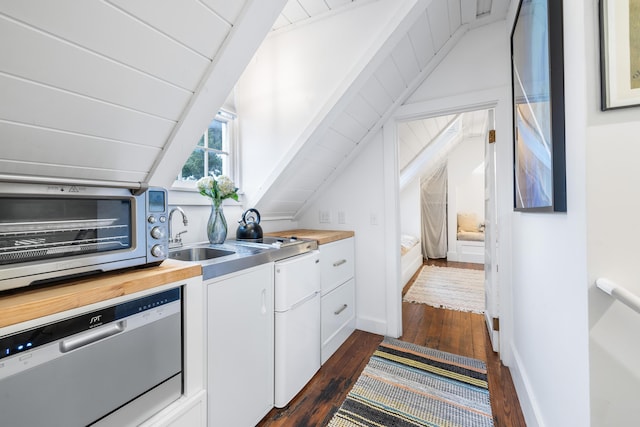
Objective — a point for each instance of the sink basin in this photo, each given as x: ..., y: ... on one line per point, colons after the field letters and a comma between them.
x: 198, y: 254
x: 231, y: 256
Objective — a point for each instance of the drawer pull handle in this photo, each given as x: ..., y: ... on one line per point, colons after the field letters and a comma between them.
x: 339, y: 263
x: 341, y: 309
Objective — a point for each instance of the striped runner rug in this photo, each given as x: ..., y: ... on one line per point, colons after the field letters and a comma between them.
x: 409, y: 385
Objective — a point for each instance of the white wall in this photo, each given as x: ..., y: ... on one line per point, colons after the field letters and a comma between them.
x: 290, y: 79
x: 466, y: 175
x: 465, y: 182
x: 550, y: 336
x: 613, y: 203
x: 357, y: 193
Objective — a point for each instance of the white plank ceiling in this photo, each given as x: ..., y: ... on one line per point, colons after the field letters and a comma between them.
x: 299, y: 11
x: 417, y: 138
x: 429, y: 30
x: 100, y: 89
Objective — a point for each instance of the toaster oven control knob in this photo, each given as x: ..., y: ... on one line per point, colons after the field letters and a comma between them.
x: 157, y: 232
x: 157, y: 251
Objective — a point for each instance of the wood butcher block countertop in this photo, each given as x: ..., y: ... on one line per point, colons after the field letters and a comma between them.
x: 32, y: 304
x: 321, y: 236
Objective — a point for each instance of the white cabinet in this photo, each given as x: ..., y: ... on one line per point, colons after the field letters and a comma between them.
x: 240, y: 347
x: 338, y: 313
x: 185, y: 412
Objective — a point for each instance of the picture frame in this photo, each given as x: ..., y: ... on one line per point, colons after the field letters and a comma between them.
x: 619, y: 53
x: 537, y: 70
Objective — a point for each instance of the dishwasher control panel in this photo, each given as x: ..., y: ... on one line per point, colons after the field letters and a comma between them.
x: 31, y: 339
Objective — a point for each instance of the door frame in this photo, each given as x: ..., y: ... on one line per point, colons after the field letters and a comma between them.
x: 497, y: 99
x: 491, y: 288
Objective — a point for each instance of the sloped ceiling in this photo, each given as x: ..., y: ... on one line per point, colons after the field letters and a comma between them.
x: 416, y: 135
x: 300, y: 11
x: 417, y: 41
x: 118, y: 90
x: 425, y: 143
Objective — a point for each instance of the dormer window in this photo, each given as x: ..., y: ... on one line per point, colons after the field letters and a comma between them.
x: 213, y: 154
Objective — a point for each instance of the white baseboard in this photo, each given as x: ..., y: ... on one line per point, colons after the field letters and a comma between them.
x: 374, y: 326
x: 530, y: 409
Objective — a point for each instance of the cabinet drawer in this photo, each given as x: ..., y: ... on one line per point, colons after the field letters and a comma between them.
x: 337, y: 263
x: 338, y: 310
x: 338, y: 318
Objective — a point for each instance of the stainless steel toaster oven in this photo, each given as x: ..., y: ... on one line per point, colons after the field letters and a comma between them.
x: 50, y: 232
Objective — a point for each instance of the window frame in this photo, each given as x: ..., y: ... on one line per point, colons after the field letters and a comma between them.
x: 231, y: 121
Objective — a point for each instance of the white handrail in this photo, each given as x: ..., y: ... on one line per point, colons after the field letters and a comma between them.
x: 618, y: 292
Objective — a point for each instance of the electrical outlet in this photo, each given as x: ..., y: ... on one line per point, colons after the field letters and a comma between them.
x: 324, y: 217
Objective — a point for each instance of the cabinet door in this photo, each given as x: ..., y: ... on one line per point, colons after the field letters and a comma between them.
x: 240, y: 347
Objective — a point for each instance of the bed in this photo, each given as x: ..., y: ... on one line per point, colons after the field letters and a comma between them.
x: 411, y: 257
x: 469, y: 239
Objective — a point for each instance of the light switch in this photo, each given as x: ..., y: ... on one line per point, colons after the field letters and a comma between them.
x: 324, y: 217
x: 374, y: 218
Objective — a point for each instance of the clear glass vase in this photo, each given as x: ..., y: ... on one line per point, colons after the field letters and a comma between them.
x: 217, y: 225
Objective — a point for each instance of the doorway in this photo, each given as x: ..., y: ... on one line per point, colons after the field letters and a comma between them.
x: 453, y: 151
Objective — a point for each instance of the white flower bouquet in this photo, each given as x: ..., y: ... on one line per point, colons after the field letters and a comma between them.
x: 217, y: 188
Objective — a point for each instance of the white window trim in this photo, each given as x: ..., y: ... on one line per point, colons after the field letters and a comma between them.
x: 186, y: 193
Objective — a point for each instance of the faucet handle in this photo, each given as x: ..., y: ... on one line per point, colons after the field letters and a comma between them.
x: 178, y: 238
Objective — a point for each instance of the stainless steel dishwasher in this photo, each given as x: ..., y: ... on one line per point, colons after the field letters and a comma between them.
x: 115, y: 366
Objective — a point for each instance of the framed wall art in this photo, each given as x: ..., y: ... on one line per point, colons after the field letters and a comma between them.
x: 537, y: 67
x: 620, y: 53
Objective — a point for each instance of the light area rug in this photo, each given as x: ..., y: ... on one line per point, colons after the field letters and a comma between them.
x: 445, y: 287
x: 406, y: 385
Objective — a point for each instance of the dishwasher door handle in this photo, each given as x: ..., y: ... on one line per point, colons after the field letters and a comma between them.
x: 92, y: 336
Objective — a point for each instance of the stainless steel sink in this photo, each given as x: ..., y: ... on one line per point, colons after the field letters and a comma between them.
x: 198, y: 254
x: 231, y: 256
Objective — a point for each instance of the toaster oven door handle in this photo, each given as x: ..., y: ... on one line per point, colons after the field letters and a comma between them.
x: 92, y: 336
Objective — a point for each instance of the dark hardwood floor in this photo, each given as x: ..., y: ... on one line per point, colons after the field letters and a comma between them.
x: 447, y: 330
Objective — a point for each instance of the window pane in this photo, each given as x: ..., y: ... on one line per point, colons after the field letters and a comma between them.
x: 212, y: 152
x: 193, y: 169
x: 215, y: 135
x: 215, y: 163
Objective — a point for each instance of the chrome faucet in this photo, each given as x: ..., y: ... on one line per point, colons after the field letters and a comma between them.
x: 177, y: 241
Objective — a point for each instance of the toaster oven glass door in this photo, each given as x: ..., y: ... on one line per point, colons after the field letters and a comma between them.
x: 47, y: 228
